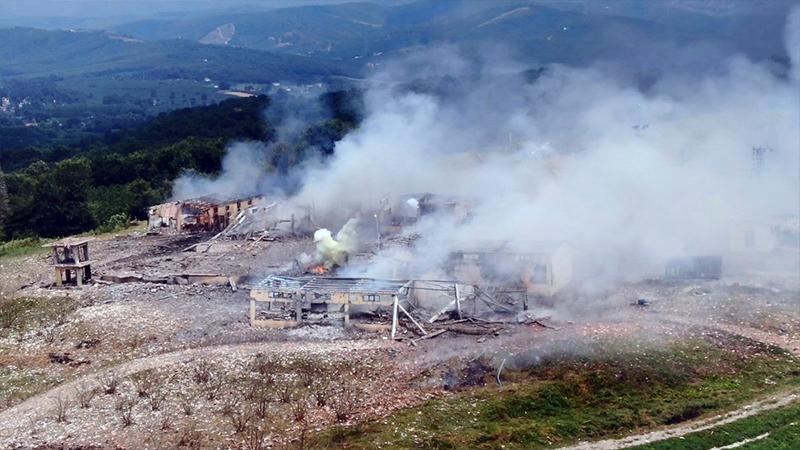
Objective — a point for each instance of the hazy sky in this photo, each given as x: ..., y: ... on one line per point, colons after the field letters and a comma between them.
x: 110, y: 8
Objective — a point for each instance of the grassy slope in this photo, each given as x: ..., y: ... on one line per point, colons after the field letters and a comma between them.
x: 34, y: 246
x: 18, y: 316
x: 783, y: 426
x: 561, y: 401
x: 22, y: 247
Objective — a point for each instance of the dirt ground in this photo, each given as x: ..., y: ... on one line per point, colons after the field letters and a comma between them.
x: 174, y: 332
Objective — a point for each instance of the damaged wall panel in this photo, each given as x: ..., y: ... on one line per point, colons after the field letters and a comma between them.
x: 203, y: 214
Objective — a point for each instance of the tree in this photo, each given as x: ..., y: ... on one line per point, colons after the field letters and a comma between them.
x: 106, y: 202
x: 4, y: 211
x: 141, y: 196
x: 21, y: 198
x: 62, y: 198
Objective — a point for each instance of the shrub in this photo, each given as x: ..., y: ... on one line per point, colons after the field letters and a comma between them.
x: 20, y: 247
x: 61, y: 407
x: 186, y: 402
x: 255, y: 435
x: 109, y: 383
x: 126, y: 412
x: 145, y: 382
x: 117, y: 222
x: 320, y: 390
x: 230, y: 403
x: 345, y: 402
x: 85, y: 395
x: 239, y: 419
x: 300, y: 406
x: 286, y: 391
x: 156, y: 398
x: 191, y: 438
x: 201, y: 373
x: 166, y: 422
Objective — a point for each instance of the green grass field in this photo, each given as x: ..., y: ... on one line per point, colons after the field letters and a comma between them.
x: 613, y: 393
x: 21, y: 247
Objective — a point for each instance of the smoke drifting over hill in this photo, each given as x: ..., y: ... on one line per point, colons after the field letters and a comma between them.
x: 580, y: 155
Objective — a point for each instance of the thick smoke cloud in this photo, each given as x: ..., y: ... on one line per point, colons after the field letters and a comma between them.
x: 629, y: 178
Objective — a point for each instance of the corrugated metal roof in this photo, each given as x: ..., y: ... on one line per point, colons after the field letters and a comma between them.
x: 349, y: 285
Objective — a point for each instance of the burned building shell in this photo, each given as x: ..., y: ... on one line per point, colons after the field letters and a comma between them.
x: 405, y: 210
x: 544, y: 272
x: 202, y: 214
x: 71, y: 261
x: 291, y: 300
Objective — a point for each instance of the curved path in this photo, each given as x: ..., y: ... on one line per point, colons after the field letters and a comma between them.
x: 765, y: 404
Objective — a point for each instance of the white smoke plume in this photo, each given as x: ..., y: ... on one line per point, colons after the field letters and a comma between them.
x: 243, y: 174
x: 628, y: 176
x: 580, y: 155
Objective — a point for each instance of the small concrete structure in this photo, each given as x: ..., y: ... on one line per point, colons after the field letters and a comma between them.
x: 71, y: 261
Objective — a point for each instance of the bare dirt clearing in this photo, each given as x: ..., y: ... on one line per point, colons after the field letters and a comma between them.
x: 187, y: 368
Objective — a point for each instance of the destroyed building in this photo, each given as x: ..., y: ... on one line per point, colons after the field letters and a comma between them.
x: 290, y: 301
x: 697, y: 267
x: 765, y: 236
x: 543, y: 272
x: 71, y: 261
x: 406, y: 210
x: 201, y: 214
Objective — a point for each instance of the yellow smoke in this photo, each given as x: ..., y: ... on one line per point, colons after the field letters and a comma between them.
x: 333, y: 251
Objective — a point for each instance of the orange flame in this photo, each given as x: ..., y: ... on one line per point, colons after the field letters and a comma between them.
x: 319, y: 269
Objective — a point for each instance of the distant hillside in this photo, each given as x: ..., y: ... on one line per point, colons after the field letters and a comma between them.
x: 544, y: 30
x: 27, y: 52
x: 300, y: 30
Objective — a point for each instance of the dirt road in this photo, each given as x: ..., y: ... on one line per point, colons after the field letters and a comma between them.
x: 766, y: 404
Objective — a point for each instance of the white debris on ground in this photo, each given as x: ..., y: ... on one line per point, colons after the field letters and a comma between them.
x: 316, y: 332
x: 170, y: 330
x: 35, y: 422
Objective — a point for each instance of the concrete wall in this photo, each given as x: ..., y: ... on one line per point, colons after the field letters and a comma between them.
x: 164, y: 215
x: 754, y: 238
x: 557, y: 267
x: 220, y: 216
x: 177, y: 215
x: 541, y: 273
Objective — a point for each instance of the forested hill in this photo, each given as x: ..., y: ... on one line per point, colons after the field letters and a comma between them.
x: 567, y: 31
x: 29, y: 52
x: 230, y: 119
x: 103, y: 182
